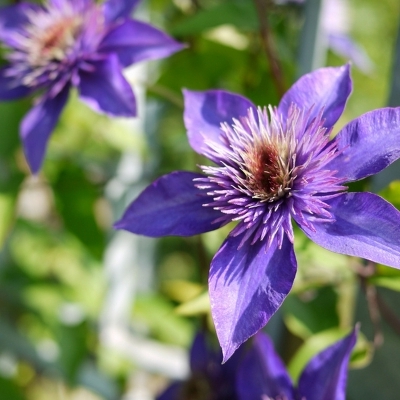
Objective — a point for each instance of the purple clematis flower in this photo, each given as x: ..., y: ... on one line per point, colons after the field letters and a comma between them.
x: 263, y: 376
x: 209, y: 380
x: 67, y: 43
x: 273, y: 166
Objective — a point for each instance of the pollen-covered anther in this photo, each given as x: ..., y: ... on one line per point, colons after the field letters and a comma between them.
x: 269, y: 169
x: 268, y: 174
x: 54, y: 42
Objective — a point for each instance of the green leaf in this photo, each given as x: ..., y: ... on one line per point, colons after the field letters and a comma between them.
x: 76, y: 198
x: 392, y: 193
x: 158, y: 314
x: 72, y: 340
x: 181, y: 290
x: 12, y: 113
x: 7, y: 205
x: 389, y: 282
x: 386, y: 277
x: 10, y: 391
x: 318, y: 266
x: 197, y: 306
x: 241, y: 14
x: 312, y: 312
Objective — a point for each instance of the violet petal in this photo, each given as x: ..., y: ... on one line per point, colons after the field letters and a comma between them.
x: 172, y: 392
x: 201, y: 355
x: 170, y: 206
x: 368, y: 144
x: 325, y: 89
x: 205, y: 111
x: 346, y: 47
x: 262, y: 373
x: 115, y: 9
x: 106, y: 90
x: 247, y: 285
x: 325, y: 376
x: 366, y: 226
x: 10, y: 89
x: 37, y: 126
x: 12, y: 18
x: 134, y: 41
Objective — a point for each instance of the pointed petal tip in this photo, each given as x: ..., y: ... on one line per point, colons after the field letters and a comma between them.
x: 247, y: 286
x: 355, y: 331
x: 326, y: 89
x: 118, y: 225
x: 227, y: 352
x: 204, y: 111
x: 35, y: 169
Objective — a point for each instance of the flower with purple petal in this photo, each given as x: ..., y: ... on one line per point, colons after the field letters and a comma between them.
x: 273, y: 166
x: 209, y: 380
x: 263, y: 376
x: 72, y: 43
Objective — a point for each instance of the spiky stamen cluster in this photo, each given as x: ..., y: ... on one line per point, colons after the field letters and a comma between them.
x: 270, y: 169
x: 55, y: 37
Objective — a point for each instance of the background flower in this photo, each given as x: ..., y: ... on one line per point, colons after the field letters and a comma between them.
x: 257, y: 372
x: 262, y: 374
x: 67, y: 43
x: 208, y: 380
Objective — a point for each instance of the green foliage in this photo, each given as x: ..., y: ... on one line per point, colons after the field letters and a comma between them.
x: 157, y: 313
x: 9, y: 390
x: 314, y: 312
x: 237, y: 13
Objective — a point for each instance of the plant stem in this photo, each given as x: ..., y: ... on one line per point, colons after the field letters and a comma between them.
x: 262, y: 7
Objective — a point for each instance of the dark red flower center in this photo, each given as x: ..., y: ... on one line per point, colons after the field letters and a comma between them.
x: 267, y: 172
x: 59, y: 36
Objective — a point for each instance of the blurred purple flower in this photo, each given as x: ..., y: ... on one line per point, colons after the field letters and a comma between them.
x: 272, y: 166
x: 67, y: 43
x: 257, y: 372
x: 209, y: 380
x: 343, y: 45
x: 262, y: 374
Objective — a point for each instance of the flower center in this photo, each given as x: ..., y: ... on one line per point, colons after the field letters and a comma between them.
x: 53, y: 42
x: 270, y: 167
x: 268, y: 171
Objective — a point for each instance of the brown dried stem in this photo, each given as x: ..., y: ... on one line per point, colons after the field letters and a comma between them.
x: 262, y: 7
x: 377, y: 306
